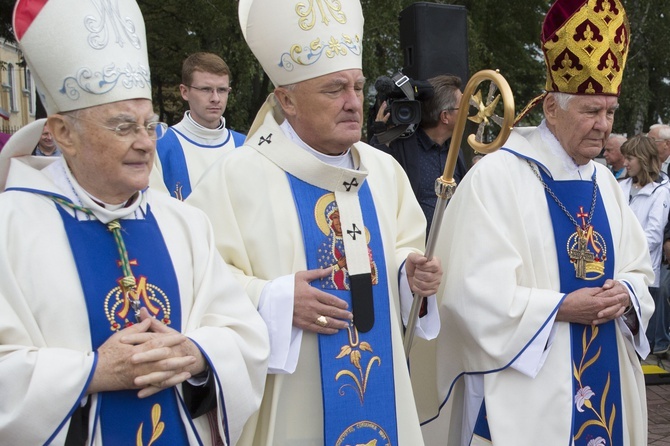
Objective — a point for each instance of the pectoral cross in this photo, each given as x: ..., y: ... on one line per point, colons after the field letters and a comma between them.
x: 581, y: 255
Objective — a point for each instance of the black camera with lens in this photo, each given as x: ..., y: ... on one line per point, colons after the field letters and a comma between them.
x: 403, y: 111
x: 403, y: 98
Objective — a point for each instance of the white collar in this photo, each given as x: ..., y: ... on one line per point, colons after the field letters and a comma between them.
x: 189, y: 124
x: 563, y: 160
x: 344, y: 160
x: 62, y: 177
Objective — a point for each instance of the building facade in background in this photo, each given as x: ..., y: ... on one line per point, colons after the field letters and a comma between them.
x: 17, y: 90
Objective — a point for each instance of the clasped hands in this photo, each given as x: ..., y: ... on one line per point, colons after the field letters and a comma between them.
x: 312, y: 305
x: 148, y: 356
x: 595, y: 305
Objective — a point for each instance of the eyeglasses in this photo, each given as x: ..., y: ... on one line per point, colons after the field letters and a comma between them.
x: 450, y: 109
x: 129, y: 130
x: 658, y: 140
x: 221, y: 91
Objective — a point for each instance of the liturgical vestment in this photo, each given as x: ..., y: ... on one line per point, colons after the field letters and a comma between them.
x: 249, y: 200
x: 499, y: 337
x: 46, y: 354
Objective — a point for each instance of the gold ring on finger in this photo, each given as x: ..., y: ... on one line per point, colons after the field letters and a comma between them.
x: 322, y: 321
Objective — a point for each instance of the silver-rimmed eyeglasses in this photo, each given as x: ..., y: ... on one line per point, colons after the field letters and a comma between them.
x: 221, y: 91
x: 131, y: 130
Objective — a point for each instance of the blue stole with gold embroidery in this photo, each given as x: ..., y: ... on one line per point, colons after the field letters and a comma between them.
x: 597, y: 410
x: 125, y: 418
x: 356, y: 368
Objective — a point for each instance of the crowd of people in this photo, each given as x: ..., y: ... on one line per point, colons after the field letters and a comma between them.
x: 640, y: 164
x: 193, y: 285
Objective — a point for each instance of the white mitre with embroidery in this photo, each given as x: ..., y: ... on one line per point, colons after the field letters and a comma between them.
x: 299, y: 40
x: 83, y: 53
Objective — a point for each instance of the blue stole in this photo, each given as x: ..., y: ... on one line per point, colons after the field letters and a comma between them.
x: 357, y: 379
x: 125, y: 418
x: 597, y: 410
x: 481, y: 428
x: 596, y: 403
x: 173, y: 161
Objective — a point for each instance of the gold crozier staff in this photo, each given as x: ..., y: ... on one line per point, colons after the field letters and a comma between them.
x: 445, y: 186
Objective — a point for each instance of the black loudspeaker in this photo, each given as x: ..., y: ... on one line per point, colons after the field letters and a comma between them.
x: 434, y: 40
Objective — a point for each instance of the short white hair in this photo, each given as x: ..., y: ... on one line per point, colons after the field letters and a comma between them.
x: 562, y: 99
x: 618, y: 137
x: 663, y: 130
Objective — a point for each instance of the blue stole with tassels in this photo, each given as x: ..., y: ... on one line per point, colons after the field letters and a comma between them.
x: 356, y: 368
x: 125, y: 418
x: 597, y: 410
x: 596, y: 402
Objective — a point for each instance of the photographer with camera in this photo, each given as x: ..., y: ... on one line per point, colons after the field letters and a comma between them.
x: 422, y: 153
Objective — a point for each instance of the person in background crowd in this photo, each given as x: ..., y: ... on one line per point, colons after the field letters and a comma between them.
x: 423, y: 154
x: 662, y: 312
x: 192, y: 145
x: 46, y: 146
x: 660, y: 134
x: 613, y: 156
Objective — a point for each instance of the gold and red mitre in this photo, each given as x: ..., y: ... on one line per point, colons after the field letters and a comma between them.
x: 585, y: 45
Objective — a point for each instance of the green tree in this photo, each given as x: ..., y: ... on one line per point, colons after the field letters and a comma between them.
x: 645, y: 92
x: 6, y: 10
x: 174, y: 32
x: 506, y: 36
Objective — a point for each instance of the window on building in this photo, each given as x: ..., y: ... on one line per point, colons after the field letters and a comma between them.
x: 29, y: 91
x: 11, y: 80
